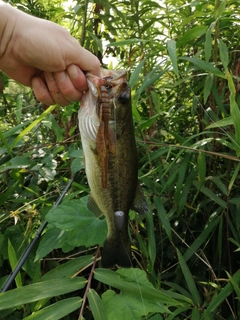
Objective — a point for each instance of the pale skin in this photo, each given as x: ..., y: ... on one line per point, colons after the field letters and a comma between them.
x: 42, y: 55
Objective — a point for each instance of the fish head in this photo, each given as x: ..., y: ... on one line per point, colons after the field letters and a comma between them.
x: 120, y: 102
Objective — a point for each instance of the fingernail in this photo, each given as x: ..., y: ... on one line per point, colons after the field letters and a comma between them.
x: 61, y: 76
x: 73, y: 71
x: 36, y: 83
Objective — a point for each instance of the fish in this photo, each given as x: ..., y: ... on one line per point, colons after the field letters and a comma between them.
x: 111, y: 162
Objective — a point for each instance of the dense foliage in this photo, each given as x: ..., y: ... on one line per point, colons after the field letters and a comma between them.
x: 183, y: 63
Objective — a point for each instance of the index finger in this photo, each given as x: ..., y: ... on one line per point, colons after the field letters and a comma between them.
x: 85, y: 60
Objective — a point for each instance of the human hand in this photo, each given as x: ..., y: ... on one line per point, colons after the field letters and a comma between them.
x: 44, y: 56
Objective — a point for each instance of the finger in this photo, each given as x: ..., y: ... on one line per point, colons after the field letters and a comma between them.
x: 84, y: 59
x: 54, y: 90
x: 41, y: 91
x: 77, y: 77
x: 67, y: 85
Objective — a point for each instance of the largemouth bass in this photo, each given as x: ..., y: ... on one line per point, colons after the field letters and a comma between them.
x: 108, y: 142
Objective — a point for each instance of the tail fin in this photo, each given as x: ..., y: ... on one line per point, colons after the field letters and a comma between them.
x: 116, y: 251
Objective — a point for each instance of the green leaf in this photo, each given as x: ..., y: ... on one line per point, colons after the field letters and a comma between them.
x: 149, y: 79
x: 19, y: 108
x: 221, y: 123
x: 136, y: 73
x: 189, y: 280
x: 77, y: 165
x: 224, y: 55
x: 204, y: 65
x: 82, y: 226
x: 191, y: 34
x: 127, y: 42
x: 234, y: 111
x: 68, y: 269
x: 17, y: 162
x: 207, y: 87
x: 207, y: 230
x: 211, y: 195
x: 52, y: 239
x: 235, y: 285
x: 40, y: 290
x: 32, y: 125
x: 222, y: 295
x: 220, y: 9
x: 128, y: 306
x: 96, y: 305
x: 208, y: 43
x: 134, y: 281
x: 234, y: 177
x: 202, y: 169
x: 151, y: 237
x: 163, y: 217
x: 13, y: 263
x: 171, y: 46
x: 56, y: 128
x: 57, y: 310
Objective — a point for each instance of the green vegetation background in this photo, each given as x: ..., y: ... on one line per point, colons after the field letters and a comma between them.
x: 183, y: 61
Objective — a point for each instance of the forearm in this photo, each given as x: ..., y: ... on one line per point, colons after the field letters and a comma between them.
x: 8, y: 15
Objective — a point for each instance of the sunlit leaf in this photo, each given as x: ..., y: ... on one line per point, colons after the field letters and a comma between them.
x: 204, y: 65
x: 171, y: 45
x: 191, y: 34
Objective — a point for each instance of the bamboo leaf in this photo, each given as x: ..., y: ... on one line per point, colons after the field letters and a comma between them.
x: 221, y: 123
x: 189, y: 280
x: 235, y: 112
x: 191, y: 34
x: 13, y: 263
x: 204, y: 65
x: 171, y: 46
x: 234, y: 176
x: 151, y: 238
x: 207, y: 86
x: 135, y: 75
x: 234, y: 284
x: 220, y: 9
x: 19, y: 107
x: 57, y: 310
x: 211, y: 195
x: 40, y: 290
x: 208, y: 44
x: 96, y: 305
x: 163, y: 217
x: 210, y: 226
x: 127, y: 42
x: 32, y: 125
x: 68, y: 269
x: 224, y: 55
x: 221, y: 296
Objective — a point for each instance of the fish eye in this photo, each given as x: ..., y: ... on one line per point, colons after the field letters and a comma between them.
x: 123, y: 97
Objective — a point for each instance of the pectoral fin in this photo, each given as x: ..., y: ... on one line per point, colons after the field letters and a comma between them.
x: 139, y: 204
x: 93, y: 207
